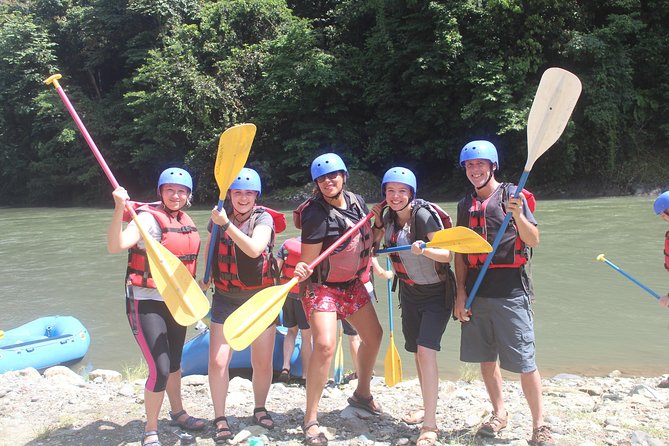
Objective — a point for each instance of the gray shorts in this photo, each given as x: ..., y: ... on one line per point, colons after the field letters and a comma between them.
x: 501, y: 328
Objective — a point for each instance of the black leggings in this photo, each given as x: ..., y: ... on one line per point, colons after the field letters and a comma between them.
x: 160, y: 338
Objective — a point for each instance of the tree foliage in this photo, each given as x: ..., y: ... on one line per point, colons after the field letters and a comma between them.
x: 381, y: 82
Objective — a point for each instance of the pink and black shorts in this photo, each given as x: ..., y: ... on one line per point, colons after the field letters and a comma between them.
x: 344, y: 300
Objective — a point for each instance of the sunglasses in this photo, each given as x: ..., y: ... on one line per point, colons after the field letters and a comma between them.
x: 328, y: 176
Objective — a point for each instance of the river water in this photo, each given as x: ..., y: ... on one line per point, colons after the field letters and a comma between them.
x: 589, y: 318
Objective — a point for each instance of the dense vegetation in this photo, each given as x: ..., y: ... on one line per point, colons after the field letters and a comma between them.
x: 381, y: 82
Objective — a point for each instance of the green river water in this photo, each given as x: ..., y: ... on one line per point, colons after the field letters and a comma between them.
x: 589, y: 318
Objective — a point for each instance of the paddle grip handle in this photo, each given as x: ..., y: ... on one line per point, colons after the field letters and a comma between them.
x: 624, y: 273
x: 212, y: 240
x: 495, y: 244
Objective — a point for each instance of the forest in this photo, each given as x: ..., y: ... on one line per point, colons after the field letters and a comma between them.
x: 380, y: 82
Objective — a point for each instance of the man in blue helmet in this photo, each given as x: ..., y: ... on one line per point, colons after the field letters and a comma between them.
x: 498, y: 330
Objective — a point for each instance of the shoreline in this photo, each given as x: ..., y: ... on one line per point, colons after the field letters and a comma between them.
x: 62, y: 408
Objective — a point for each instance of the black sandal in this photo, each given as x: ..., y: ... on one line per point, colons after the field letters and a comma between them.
x: 259, y: 420
x: 314, y: 440
x: 156, y: 442
x: 366, y: 404
x: 284, y: 376
x: 222, y: 434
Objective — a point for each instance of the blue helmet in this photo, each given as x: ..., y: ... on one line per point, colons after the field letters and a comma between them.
x: 174, y: 175
x: 481, y: 149
x: 399, y: 175
x: 247, y: 179
x: 661, y: 203
x: 326, y: 163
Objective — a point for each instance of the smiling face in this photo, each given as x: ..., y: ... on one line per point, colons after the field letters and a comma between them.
x: 243, y: 200
x: 174, y: 196
x: 331, y: 184
x: 478, y: 171
x: 397, y: 195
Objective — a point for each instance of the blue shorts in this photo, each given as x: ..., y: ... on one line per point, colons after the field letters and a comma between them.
x: 500, y: 328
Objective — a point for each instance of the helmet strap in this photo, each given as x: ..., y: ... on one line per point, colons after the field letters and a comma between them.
x: 492, y: 170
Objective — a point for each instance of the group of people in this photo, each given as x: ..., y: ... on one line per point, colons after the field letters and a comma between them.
x: 497, y: 330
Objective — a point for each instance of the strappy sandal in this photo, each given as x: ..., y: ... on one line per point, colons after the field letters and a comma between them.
x: 314, y: 440
x: 222, y: 434
x: 428, y: 436
x: 284, y: 376
x: 366, y: 404
x: 190, y: 423
x: 415, y: 417
x: 259, y: 419
x: 155, y: 442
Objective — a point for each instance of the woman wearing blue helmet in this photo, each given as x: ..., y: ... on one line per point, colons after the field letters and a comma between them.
x: 661, y: 208
x: 335, y: 289
x: 160, y: 337
x: 426, y: 284
x: 243, y: 265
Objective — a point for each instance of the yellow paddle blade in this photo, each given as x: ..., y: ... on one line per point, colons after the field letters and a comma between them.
x: 459, y: 239
x: 392, y: 364
x: 233, y: 151
x: 176, y: 285
x: 246, y: 323
x: 183, y: 296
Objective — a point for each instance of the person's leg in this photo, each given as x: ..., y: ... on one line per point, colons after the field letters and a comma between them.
x: 531, y: 384
x: 220, y: 355
x: 262, y: 350
x: 288, y: 347
x: 306, y: 350
x: 354, y: 345
x: 492, y: 378
x: 323, y: 330
x: 429, y: 383
x: 369, y: 329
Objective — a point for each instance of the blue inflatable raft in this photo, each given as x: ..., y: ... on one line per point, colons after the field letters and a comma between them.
x: 195, y: 358
x: 44, y: 343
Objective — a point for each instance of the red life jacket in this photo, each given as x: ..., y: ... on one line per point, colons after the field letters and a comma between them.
x: 235, y: 270
x: 179, y: 235
x: 512, y: 251
x: 294, y: 248
x: 393, y: 233
x: 341, y: 266
x: 666, y: 251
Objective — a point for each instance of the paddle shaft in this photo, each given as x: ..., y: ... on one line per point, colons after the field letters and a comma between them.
x: 107, y: 171
x: 624, y: 273
x: 212, y: 241
x: 495, y: 244
x: 390, y: 296
x: 423, y: 245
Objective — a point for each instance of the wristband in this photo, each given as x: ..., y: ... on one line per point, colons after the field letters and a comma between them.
x: 225, y: 226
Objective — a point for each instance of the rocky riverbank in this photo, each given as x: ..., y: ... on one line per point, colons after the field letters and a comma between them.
x: 62, y: 408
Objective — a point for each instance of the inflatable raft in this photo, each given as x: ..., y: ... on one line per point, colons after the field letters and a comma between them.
x: 195, y: 358
x: 44, y: 343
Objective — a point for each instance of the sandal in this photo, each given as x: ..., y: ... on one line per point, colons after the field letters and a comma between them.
x: 314, y: 440
x: 259, y: 420
x: 428, y: 436
x: 366, y: 404
x: 284, y: 376
x: 151, y: 443
x: 415, y: 417
x: 222, y: 434
x: 190, y: 423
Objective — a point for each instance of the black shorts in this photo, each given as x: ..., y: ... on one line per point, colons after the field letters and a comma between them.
x: 424, y: 320
x: 348, y: 328
x: 293, y: 313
